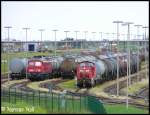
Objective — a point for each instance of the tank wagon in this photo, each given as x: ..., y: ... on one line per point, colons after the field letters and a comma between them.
x: 17, y: 68
x: 67, y: 68
x: 56, y: 62
x: 104, y: 68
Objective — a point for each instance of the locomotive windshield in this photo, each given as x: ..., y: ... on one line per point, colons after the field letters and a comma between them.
x: 35, y: 63
x: 86, y: 64
x: 38, y: 64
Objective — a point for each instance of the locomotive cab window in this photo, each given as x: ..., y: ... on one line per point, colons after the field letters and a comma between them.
x: 86, y: 64
x: 38, y: 63
x: 90, y: 64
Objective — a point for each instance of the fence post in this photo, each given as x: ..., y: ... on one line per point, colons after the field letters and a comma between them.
x: 39, y: 97
x: 86, y: 102
x: 45, y: 100
x: 33, y: 98
x: 21, y: 95
x: 15, y: 95
x: 80, y: 102
x: 9, y: 94
x: 65, y: 104
x: 72, y: 103
x: 52, y: 100
x: 27, y: 97
x: 59, y: 103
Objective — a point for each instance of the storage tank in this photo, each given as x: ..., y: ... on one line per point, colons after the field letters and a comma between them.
x: 18, y: 65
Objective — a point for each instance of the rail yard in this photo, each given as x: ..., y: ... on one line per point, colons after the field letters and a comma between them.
x: 67, y: 67
x: 75, y: 57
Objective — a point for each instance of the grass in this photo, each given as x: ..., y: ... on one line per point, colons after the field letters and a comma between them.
x: 50, y: 103
x: 25, y: 108
x: 35, y: 85
x: 121, y: 109
x: 68, y: 84
x: 20, y: 108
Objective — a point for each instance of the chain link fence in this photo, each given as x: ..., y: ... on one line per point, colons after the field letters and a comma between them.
x: 54, y: 103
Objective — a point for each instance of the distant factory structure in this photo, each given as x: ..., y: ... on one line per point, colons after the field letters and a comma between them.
x: 37, y: 46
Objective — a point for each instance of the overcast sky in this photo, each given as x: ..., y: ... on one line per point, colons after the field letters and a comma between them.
x: 91, y: 16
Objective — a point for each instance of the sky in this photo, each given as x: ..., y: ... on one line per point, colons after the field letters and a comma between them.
x: 91, y: 16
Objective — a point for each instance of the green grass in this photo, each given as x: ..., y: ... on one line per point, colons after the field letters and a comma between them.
x: 51, y: 103
x: 121, y: 109
x: 36, y: 85
x: 133, y: 47
x: 68, y: 84
x: 47, y: 101
x: 29, y: 109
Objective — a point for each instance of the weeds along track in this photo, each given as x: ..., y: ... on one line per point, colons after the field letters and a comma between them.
x: 123, y: 101
x: 17, y: 84
x: 49, y: 85
x: 122, y: 84
x: 4, y: 78
x: 52, y: 84
x: 142, y: 93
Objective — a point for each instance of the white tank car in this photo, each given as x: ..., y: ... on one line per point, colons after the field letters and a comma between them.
x: 17, y: 67
x: 101, y: 68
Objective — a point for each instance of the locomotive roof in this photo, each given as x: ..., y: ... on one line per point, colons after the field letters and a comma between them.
x: 86, y: 61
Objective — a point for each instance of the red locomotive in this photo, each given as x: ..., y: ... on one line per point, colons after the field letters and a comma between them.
x: 85, y: 71
x: 103, y: 68
x: 38, y: 69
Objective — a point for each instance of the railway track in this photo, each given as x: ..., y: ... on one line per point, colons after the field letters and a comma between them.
x: 122, y: 84
x: 52, y: 84
x: 124, y: 101
x: 142, y: 94
x: 111, y: 90
x: 4, y: 78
